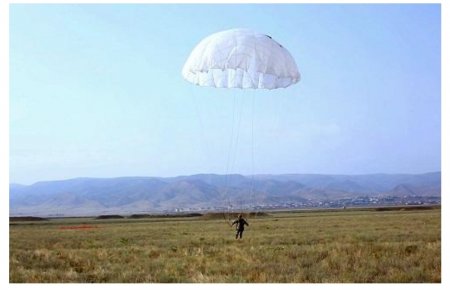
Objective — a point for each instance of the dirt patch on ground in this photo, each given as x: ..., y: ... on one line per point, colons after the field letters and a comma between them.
x: 78, y: 227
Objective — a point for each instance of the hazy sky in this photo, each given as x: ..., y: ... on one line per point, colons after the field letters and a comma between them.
x: 96, y: 91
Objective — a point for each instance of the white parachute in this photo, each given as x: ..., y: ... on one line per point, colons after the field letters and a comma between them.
x: 241, y: 58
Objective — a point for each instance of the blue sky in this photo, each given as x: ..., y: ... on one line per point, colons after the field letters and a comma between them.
x: 96, y: 90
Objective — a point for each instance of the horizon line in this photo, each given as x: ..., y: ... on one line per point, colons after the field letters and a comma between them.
x: 229, y: 174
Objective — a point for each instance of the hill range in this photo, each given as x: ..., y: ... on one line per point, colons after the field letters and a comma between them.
x: 127, y: 195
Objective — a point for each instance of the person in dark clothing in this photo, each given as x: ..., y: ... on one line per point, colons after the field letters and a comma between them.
x: 240, y: 224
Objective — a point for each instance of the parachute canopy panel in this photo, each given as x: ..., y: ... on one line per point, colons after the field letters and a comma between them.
x: 241, y: 58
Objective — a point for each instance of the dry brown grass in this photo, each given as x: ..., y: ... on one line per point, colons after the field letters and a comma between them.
x: 315, y: 247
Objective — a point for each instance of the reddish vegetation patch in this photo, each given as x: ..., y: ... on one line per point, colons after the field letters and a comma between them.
x: 80, y: 227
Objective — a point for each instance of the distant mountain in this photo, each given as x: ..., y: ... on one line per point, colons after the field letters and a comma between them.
x: 93, y: 196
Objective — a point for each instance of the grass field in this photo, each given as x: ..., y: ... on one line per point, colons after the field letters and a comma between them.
x: 318, y: 246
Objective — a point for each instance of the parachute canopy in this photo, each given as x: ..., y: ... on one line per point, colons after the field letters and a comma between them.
x: 241, y: 58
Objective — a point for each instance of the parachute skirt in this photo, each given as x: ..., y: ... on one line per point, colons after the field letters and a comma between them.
x: 238, y: 78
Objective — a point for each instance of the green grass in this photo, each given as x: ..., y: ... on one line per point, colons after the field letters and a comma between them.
x: 313, y: 247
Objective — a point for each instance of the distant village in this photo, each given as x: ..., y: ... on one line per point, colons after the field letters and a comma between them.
x: 361, y: 201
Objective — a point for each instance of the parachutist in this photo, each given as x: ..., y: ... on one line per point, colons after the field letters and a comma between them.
x: 240, y: 225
